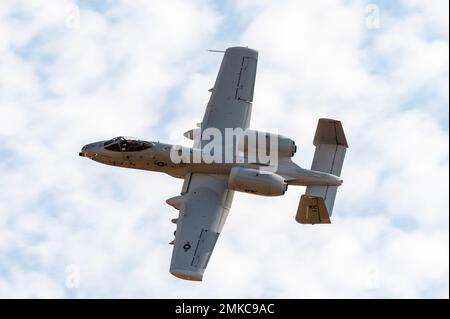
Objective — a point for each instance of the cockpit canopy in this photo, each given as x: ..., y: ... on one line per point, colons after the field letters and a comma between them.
x: 126, y: 144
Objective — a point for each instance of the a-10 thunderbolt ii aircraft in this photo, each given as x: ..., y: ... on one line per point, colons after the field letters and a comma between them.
x: 209, y: 183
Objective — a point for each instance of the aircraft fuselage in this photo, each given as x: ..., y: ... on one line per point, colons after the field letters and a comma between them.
x: 157, y: 158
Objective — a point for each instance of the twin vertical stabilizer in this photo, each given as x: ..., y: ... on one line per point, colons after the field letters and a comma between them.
x: 316, y: 206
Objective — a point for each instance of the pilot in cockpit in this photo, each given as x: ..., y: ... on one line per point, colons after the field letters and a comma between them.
x: 122, y: 144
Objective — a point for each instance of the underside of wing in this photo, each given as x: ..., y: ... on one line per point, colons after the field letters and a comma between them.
x: 203, y: 209
x: 232, y: 94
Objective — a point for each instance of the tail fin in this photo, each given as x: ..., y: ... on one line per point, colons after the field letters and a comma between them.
x: 312, y: 210
x: 331, y: 145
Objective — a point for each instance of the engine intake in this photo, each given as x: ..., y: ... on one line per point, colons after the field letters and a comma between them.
x: 253, y: 181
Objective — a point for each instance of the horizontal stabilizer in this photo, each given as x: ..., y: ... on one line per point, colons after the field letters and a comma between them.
x: 312, y: 210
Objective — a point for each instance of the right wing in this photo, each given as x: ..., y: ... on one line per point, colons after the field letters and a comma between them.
x: 204, y: 205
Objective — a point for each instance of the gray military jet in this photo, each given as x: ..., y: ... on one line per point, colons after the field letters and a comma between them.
x: 213, y: 170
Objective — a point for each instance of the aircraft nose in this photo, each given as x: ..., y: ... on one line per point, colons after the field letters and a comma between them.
x: 83, y: 150
x: 88, y: 148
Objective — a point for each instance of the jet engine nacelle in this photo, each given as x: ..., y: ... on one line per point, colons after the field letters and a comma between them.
x: 249, y: 180
x: 249, y: 143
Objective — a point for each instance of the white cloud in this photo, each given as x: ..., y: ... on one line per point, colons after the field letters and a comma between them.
x: 140, y: 69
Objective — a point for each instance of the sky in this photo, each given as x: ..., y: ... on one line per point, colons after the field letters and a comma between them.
x: 74, y: 72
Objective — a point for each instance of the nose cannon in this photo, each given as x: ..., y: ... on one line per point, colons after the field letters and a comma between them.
x: 83, y: 149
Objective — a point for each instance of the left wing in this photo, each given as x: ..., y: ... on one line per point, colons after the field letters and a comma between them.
x: 204, y: 205
x: 230, y: 103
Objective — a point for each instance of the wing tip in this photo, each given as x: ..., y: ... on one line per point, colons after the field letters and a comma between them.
x: 187, y: 275
x: 246, y: 51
